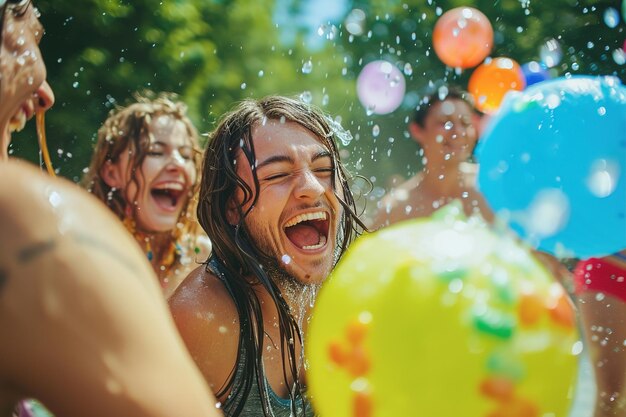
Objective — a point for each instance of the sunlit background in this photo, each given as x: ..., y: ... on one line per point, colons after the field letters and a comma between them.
x: 216, y: 52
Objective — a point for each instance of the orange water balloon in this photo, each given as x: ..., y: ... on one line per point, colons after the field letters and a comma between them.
x: 463, y: 37
x: 492, y: 80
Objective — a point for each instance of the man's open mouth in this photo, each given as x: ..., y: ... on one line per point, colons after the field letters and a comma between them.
x: 167, y: 195
x: 308, y: 231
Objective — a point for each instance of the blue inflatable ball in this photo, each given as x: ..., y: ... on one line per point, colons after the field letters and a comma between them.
x: 552, y: 164
x: 535, y: 72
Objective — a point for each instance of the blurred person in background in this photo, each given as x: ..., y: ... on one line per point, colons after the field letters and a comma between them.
x: 444, y: 126
x: 600, y: 285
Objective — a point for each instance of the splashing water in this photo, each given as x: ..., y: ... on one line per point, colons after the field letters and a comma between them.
x: 344, y: 136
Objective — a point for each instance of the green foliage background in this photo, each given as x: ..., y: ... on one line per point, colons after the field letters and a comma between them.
x: 216, y: 52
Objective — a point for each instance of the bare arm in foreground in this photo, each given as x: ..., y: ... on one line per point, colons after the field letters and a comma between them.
x: 83, y: 325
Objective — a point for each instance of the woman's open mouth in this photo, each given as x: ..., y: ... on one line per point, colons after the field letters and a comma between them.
x: 308, y: 231
x: 18, y: 121
x: 168, y: 195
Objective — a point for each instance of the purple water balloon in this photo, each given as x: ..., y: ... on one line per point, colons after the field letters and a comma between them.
x: 380, y: 87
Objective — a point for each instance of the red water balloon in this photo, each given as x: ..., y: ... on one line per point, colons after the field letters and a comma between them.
x: 463, y: 37
x: 492, y: 80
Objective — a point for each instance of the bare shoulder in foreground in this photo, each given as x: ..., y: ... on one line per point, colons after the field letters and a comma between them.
x: 84, y: 326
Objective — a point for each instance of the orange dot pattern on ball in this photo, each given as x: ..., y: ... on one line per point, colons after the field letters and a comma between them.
x: 354, y: 358
x: 462, y: 37
x: 492, y: 80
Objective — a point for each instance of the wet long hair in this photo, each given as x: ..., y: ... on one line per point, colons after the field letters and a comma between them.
x: 234, y: 247
x: 127, y: 129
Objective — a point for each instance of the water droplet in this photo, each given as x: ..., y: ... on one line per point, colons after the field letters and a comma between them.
x: 75, y: 84
x: 243, y: 86
x: 408, y: 69
x: 307, y: 67
x: 306, y: 97
x: 261, y: 73
x: 551, y: 53
x: 355, y: 22
x: 611, y: 17
x: 327, y: 31
x: 619, y: 56
x: 455, y: 286
x: 548, y: 213
x: 375, y: 131
x: 603, y: 177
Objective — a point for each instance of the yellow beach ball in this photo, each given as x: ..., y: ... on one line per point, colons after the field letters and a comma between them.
x: 441, y: 317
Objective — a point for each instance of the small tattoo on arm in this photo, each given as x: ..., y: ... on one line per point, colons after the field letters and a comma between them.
x: 93, y: 242
x: 35, y: 250
x: 3, y: 278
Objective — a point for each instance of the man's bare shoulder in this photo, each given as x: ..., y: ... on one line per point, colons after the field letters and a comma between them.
x: 201, y: 290
x: 206, y: 317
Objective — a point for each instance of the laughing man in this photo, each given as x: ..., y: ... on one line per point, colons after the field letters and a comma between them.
x: 275, y: 202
